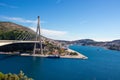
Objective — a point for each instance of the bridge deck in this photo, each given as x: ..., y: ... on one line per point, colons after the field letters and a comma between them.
x: 7, y: 42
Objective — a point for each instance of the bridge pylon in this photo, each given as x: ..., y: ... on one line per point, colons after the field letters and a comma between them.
x: 38, y: 38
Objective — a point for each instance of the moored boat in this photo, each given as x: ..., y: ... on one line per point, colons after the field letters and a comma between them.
x: 53, y: 56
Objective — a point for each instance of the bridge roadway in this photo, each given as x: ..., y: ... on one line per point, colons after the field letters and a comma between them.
x: 7, y: 42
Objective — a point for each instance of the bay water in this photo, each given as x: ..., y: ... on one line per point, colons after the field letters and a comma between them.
x: 102, y: 64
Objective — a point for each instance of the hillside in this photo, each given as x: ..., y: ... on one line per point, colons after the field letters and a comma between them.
x: 11, y: 31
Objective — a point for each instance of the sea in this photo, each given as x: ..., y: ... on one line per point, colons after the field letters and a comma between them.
x: 102, y: 64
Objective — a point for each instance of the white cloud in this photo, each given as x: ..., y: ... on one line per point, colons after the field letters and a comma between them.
x: 54, y: 34
x: 7, y: 5
x: 22, y: 20
x: 19, y: 19
x: 33, y: 28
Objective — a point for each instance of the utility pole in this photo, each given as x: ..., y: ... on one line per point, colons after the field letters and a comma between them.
x: 38, y: 38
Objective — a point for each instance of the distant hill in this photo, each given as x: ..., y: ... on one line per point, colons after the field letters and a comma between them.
x: 11, y: 31
x: 116, y: 41
x: 83, y: 41
x: 113, y: 45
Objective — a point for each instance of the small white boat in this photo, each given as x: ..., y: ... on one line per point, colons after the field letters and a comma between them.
x: 53, y: 56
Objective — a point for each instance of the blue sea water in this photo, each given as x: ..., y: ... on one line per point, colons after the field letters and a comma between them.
x: 101, y: 64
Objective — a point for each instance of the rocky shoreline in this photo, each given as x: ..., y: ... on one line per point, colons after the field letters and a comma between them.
x: 78, y: 56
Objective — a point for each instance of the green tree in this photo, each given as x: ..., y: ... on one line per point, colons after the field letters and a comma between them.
x: 1, y: 76
x: 11, y: 76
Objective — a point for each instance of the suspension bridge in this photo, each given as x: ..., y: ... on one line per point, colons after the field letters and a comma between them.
x: 26, y: 37
x: 27, y: 42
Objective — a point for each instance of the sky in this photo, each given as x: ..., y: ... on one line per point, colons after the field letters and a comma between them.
x: 66, y: 19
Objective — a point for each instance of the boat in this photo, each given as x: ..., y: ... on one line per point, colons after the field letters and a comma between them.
x: 53, y: 56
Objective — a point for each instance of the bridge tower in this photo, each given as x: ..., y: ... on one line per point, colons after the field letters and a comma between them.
x: 38, y: 38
